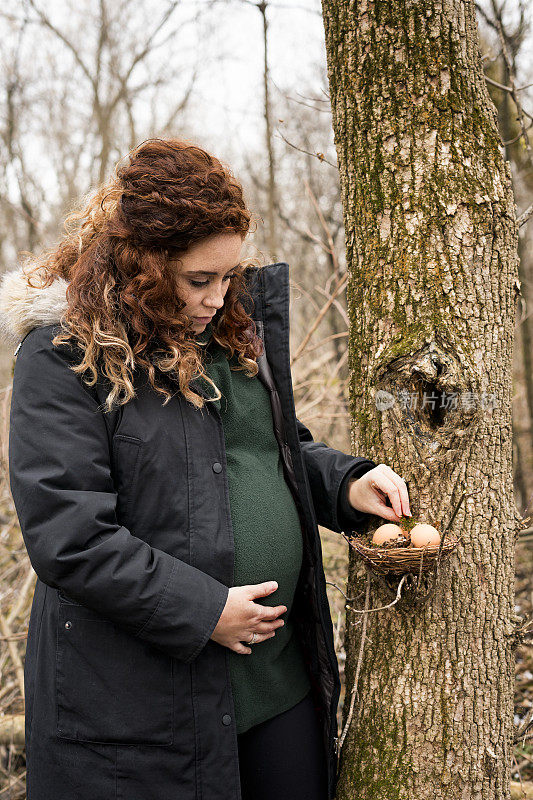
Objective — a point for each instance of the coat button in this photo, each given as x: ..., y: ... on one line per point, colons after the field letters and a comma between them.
x: 68, y: 625
x: 217, y: 467
x: 226, y: 719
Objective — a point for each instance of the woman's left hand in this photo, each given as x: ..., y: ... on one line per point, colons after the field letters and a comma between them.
x: 370, y: 493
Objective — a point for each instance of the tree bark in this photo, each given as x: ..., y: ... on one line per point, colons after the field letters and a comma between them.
x: 431, y: 243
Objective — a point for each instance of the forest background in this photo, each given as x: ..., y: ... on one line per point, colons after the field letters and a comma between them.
x: 83, y: 82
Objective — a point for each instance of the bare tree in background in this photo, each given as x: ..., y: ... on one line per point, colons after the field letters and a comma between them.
x: 503, y: 44
x: 109, y: 70
x: 84, y: 87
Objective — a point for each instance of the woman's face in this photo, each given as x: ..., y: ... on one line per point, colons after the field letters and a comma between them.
x: 203, y: 275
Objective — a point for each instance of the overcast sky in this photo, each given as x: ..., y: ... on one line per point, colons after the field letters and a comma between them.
x: 225, y: 113
x: 230, y: 94
x: 229, y: 97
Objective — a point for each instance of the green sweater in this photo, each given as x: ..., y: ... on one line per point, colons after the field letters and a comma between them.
x: 267, y: 535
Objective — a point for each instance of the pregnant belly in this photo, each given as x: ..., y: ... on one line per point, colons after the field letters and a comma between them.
x: 274, y: 554
x: 267, y: 532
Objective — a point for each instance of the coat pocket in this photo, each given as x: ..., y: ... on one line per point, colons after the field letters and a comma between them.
x: 64, y: 598
x: 126, y: 463
x: 111, y: 687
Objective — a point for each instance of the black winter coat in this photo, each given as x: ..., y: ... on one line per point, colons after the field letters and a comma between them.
x: 127, y: 524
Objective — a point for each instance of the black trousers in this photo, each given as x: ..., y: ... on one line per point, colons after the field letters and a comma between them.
x: 284, y: 757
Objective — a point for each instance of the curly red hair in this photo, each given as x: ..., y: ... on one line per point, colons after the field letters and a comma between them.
x: 123, y: 310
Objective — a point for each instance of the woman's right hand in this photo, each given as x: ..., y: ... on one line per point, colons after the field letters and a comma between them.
x: 241, y: 617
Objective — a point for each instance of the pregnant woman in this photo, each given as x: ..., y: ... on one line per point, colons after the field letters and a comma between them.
x: 180, y: 642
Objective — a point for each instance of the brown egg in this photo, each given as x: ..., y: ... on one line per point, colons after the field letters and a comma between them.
x: 423, y: 534
x: 387, y: 533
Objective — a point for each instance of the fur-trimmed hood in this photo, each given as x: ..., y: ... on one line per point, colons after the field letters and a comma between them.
x: 23, y: 307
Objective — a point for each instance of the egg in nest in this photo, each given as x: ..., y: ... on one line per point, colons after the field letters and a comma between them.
x: 423, y: 535
x: 388, y: 533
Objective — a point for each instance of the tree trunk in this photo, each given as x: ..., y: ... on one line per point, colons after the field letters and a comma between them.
x: 271, y: 193
x: 431, y: 245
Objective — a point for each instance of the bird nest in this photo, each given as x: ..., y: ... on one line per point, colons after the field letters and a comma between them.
x: 389, y: 559
x: 393, y: 559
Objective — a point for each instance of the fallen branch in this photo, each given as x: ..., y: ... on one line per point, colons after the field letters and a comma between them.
x: 12, y: 730
x: 16, y: 660
x: 523, y: 218
x: 521, y: 791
